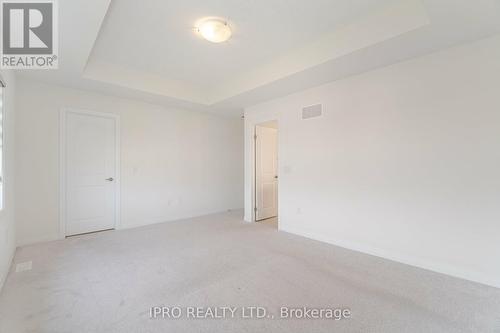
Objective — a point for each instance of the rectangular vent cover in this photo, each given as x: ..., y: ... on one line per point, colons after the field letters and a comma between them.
x: 312, y: 111
x: 24, y: 266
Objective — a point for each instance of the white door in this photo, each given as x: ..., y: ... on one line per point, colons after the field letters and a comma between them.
x: 90, y: 172
x: 266, y: 172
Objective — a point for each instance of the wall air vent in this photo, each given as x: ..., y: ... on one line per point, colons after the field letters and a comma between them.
x: 312, y: 111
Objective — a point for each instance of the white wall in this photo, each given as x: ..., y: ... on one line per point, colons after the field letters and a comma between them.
x: 7, y: 226
x: 174, y: 163
x: 404, y: 163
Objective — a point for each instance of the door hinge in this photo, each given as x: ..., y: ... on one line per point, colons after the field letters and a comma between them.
x: 255, y: 209
x: 255, y: 137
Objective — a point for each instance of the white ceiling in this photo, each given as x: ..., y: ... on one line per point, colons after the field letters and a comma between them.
x: 166, y: 45
x: 148, y: 49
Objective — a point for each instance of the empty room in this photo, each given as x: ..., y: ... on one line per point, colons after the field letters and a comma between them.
x: 249, y: 166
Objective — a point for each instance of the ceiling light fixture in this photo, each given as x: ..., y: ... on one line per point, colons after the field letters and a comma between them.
x: 214, y: 30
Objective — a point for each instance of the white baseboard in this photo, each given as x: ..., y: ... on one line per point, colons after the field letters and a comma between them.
x: 143, y: 222
x: 174, y: 218
x: 36, y: 240
x: 401, y: 258
x: 4, y: 274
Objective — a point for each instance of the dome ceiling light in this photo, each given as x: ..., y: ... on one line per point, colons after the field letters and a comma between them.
x: 214, y: 30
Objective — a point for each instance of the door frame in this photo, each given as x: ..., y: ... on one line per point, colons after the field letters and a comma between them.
x: 252, y: 166
x: 62, y: 164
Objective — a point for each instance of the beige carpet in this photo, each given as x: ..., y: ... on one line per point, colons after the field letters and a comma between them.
x: 108, y: 282
x: 272, y: 222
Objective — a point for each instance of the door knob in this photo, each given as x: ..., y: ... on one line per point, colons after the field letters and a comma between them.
x: 110, y: 179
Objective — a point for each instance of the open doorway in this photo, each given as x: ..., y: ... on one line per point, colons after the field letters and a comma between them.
x: 266, y: 173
